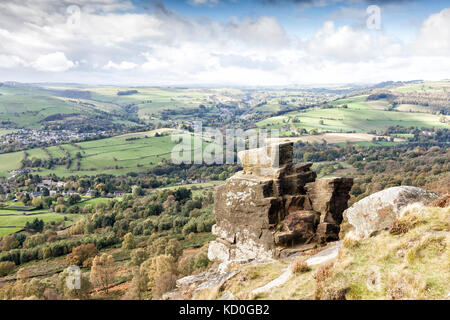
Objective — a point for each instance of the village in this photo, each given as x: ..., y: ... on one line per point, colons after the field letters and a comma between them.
x: 26, y: 137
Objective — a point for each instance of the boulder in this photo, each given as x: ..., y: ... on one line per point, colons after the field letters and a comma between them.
x: 380, y: 210
x: 273, y: 205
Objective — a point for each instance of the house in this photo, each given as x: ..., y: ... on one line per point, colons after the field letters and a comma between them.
x: 47, y: 182
x: 119, y: 194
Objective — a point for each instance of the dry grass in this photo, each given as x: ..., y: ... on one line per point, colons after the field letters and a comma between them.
x: 411, y: 263
x: 300, y: 266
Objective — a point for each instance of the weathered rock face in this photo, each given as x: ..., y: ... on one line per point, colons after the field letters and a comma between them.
x: 274, y: 205
x: 380, y: 210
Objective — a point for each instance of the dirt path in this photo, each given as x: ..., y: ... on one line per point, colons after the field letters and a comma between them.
x: 323, y: 256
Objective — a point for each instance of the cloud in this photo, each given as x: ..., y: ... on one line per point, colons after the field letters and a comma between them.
x: 53, y: 62
x: 10, y: 61
x: 160, y: 47
x: 208, y: 3
x: 124, y: 65
x: 264, y: 31
x: 347, y: 44
x: 434, y: 35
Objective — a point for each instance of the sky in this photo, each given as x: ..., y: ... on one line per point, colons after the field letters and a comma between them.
x: 223, y: 42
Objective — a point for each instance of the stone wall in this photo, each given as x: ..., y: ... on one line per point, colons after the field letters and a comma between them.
x: 274, y: 208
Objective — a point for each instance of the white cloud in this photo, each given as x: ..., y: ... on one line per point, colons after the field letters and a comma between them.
x: 264, y: 32
x: 124, y: 65
x: 9, y: 61
x: 434, y: 36
x: 53, y: 62
x: 164, y: 47
x: 347, y: 44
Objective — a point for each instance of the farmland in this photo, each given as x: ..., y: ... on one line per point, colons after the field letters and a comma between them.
x: 118, y: 155
x: 12, y: 221
x: 358, y: 116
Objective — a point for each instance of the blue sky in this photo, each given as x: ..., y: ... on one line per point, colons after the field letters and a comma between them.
x: 401, y: 17
x: 222, y: 42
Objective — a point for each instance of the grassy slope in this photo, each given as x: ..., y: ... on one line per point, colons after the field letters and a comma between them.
x: 102, y: 156
x: 360, y: 116
x: 413, y: 265
x: 15, y: 222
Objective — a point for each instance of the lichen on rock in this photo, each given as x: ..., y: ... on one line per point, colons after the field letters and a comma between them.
x: 273, y: 206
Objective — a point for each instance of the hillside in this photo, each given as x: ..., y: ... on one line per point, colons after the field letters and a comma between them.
x: 411, y: 263
x: 119, y: 155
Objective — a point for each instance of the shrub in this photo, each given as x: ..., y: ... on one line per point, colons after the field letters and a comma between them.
x: 158, y: 246
x: 173, y: 248
x: 300, y: 266
x: 82, y: 255
x: 201, y: 260
x: 324, y: 272
x: 34, y: 241
x: 186, y: 265
x: 37, y: 225
x: 164, y: 283
x: 157, y: 266
x: 138, y: 256
x: 6, y: 268
x: 137, y: 286
x: 129, y: 242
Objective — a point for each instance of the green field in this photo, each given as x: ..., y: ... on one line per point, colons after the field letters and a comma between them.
x: 16, y: 221
x: 198, y: 189
x: 360, y: 116
x: 28, y: 105
x: 115, y: 155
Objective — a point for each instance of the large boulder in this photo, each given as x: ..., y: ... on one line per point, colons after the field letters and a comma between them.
x: 273, y: 206
x: 380, y: 210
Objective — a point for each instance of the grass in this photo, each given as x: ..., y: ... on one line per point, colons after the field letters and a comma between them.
x: 6, y: 231
x: 10, y: 161
x: 360, y: 116
x: 117, y: 155
x: 414, y: 264
x: 198, y: 189
x: 253, y: 276
x: 411, y: 265
x: 18, y: 221
x: 19, y: 212
x: 94, y: 202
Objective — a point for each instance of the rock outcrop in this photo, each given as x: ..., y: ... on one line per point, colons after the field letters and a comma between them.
x: 273, y: 207
x: 380, y: 210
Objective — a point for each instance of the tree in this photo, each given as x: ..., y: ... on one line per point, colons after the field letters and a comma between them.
x: 137, y: 286
x: 157, y: 266
x: 37, y: 225
x: 82, y: 255
x: 183, y: 194
x: 164, y: 283
x: 157, y: 247
x: 138, y: 256
x: 102, y: 271
x: 9, y: 242
x: 137, y: 191
x: 37, y: 203
x: 74, y: 198
x: 173, y: 249
x: 82, y: 293
x: 45, y: 192
x: 129, y: 242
